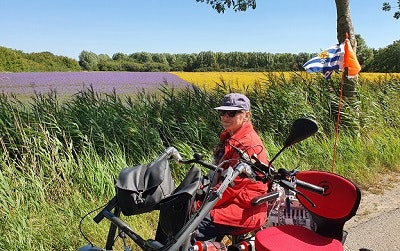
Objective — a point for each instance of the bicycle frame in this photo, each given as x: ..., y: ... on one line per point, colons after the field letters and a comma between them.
x: 182, y: 240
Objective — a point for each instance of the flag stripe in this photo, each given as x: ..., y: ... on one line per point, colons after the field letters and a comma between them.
x: 327, y: 61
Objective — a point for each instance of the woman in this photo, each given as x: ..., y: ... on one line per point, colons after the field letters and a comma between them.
x: 234, y: 213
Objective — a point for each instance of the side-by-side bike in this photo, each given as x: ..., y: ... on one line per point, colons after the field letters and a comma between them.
x: 307, y: 210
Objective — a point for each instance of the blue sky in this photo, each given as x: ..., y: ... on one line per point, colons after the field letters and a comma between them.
x: 184, y: 26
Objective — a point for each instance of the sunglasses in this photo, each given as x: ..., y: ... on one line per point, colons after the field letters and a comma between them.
x: 230, y: 113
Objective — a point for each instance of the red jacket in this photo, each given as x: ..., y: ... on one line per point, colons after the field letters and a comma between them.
x: 234, y: 208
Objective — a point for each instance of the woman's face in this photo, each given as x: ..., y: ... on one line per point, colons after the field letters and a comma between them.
x: 233, y: 120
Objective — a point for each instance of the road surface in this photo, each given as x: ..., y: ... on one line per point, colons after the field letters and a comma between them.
x: 376, y: 225
x: 377, y: 234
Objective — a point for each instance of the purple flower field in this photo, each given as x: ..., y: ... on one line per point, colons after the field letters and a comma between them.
x: 67, y: 83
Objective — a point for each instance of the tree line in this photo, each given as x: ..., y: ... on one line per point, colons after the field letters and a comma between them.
x: 19, y: 61
x: 384, y: 60
x: 203, y: 61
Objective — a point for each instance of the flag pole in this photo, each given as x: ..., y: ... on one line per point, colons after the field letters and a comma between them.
x: 344, y: 76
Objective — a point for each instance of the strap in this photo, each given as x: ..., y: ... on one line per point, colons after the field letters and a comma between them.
x: 141, y: 177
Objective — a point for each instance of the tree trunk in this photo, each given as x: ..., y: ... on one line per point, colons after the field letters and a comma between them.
x: 350, y: 107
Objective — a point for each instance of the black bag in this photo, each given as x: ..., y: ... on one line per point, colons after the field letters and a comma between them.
x: 175, y: 210
x: 141, y: 188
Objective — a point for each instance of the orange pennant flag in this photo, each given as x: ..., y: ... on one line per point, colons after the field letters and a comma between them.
x: 350, y: 60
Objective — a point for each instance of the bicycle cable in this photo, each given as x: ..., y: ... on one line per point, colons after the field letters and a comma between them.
x: 84, y: 217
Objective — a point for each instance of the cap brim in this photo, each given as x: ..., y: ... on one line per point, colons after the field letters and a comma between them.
x: 228, y: 108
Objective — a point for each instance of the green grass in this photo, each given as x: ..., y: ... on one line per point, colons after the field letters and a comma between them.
x: 59, y: 157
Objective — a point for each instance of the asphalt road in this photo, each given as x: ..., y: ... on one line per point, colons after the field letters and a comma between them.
x: 376, y: 225
x: 380, y: 233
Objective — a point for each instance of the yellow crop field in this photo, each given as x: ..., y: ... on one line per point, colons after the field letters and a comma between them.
x: 216, y: 77
x: 371, y: 76
x: 238, y: 80
x: 209, y: 80
x: 241, y: 80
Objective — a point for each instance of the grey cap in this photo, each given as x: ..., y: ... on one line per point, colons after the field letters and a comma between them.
x: 234, y: 101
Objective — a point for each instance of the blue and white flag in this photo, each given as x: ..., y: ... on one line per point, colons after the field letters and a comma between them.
x: 327, y: 61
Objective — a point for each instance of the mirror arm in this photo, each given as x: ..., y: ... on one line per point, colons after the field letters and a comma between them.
x: 276, y: 155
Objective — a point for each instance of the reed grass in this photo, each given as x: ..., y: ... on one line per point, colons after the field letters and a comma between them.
x: 59, y: 158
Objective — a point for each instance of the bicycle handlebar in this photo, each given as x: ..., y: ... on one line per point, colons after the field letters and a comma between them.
x: 170, y: 151
x: 266, y: 172
x: 198, y: 159
x: 310, y: 187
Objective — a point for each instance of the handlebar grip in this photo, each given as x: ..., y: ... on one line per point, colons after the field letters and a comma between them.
x: 310, y: 187
x: 264, y: 198
x: 210, y: 166
x: 202, y: 163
